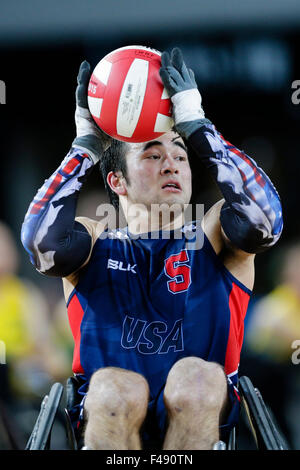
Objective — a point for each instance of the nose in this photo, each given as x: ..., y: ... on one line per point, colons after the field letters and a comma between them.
x: 169, y: 165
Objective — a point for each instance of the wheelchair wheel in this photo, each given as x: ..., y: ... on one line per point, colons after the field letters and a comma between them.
x: 41, y: 434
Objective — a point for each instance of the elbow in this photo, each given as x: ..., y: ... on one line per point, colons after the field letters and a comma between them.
x: 257, y: 241
x: 54, y: 256
x: 41, y: 257
x: 248, y: 236
x: 27, y: 239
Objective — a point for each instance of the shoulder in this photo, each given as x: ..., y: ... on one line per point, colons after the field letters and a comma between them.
x: 94, y: 227
x: 238, y: 262
x: 212, y: 227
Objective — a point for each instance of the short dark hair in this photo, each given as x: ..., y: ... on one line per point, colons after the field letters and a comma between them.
x: 114, y: 160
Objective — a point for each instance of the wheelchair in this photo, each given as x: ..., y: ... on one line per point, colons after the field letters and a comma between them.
x: 259, y: 419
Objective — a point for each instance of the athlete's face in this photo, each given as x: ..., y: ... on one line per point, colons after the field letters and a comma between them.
x: 158, y: 171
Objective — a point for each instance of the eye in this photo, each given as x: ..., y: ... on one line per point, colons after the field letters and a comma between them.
x: 181, y: 158
x: 153, y: 157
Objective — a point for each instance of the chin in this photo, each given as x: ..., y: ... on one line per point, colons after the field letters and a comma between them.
x: 171, y: 199
x: 172, y: 202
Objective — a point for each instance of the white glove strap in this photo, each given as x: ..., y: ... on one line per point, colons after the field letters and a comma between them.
x: 187, y: 106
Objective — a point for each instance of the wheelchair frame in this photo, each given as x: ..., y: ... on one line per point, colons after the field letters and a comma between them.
x: 264, y: 430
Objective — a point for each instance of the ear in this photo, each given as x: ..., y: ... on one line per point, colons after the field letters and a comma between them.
x: 117, y: 183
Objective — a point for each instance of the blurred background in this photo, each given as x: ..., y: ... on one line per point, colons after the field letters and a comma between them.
x: 246, y: 58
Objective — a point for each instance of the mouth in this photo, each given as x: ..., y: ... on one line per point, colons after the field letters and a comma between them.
x: 172, y: 186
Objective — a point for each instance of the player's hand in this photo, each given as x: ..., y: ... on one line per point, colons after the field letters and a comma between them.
x: 180, y: 83
x: 89, y: 136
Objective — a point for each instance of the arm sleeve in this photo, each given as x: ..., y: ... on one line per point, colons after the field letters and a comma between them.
x: 251, y: 215
x: 56, y: 243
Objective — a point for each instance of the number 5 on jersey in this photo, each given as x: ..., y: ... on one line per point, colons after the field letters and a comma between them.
x: 177, y: 269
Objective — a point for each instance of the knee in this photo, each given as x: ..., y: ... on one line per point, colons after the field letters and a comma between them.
x: 194, y: 384
x: 115, y: 391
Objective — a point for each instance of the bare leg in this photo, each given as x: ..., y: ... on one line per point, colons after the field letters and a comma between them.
x: 115, y: 407
x: 195, y: 395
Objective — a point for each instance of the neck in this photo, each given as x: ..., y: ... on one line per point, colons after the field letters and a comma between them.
x: 142, y: 219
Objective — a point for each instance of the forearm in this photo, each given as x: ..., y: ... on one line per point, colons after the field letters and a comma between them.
x: 251, y: 216
x: 57, y: 245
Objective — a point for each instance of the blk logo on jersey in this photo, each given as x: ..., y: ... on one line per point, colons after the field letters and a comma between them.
x: 114, y: 264
x: 177, y: 269
x: 151, y: 337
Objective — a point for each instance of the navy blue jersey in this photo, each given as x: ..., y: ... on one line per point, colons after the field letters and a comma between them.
x: 143, y: 304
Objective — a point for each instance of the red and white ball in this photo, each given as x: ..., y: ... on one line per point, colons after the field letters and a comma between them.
x: 126, y: 96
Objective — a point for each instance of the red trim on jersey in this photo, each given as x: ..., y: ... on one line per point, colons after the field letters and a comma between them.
x: 75, y: 314
x: 238, y: 304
